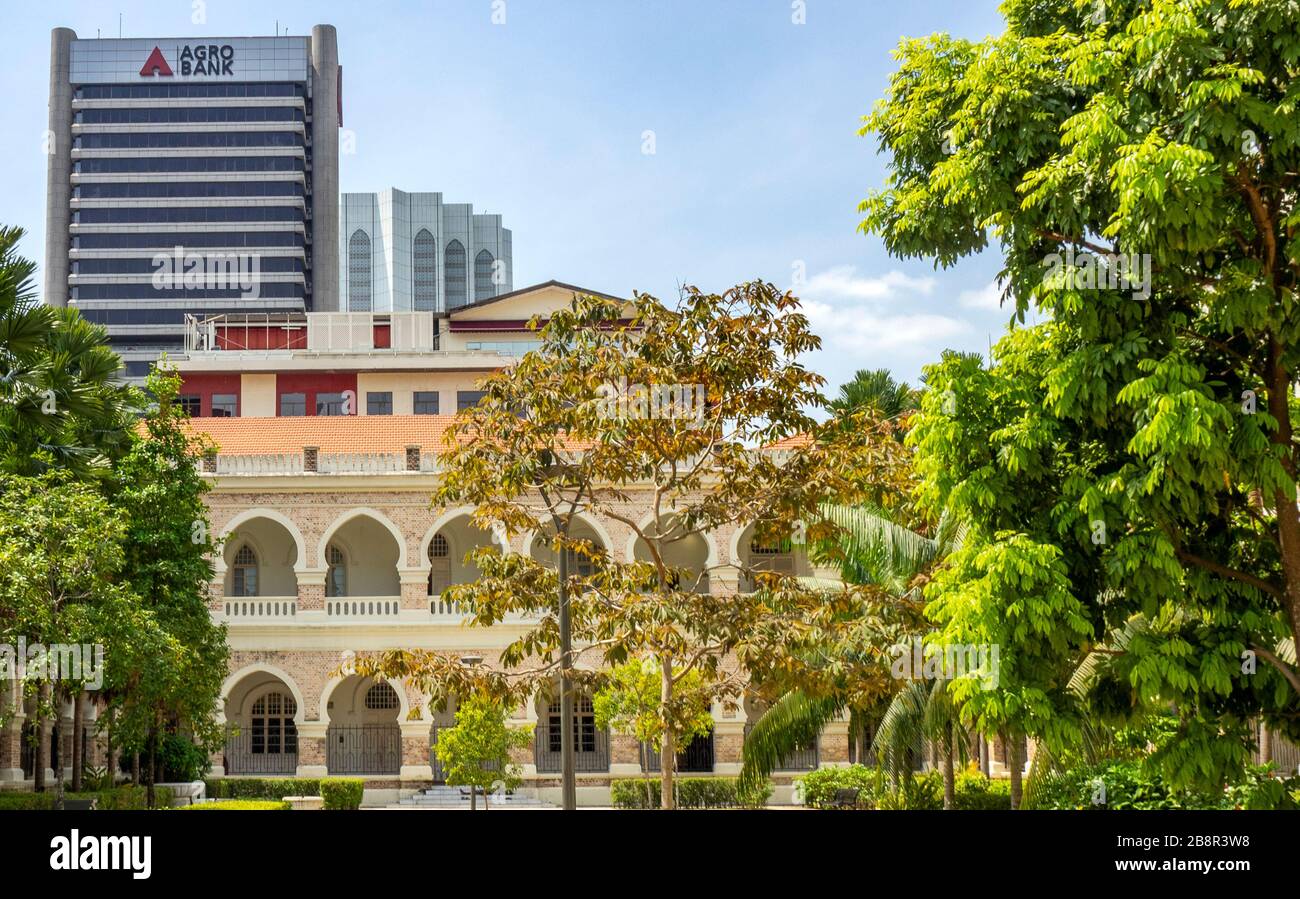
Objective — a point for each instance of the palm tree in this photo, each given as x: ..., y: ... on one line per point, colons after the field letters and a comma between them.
x: 921, y: 711
x: 61, y: 403
x: 871, y: 548
x: 877, y: 390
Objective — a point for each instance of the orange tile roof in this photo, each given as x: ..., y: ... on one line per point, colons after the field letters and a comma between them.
x: 329, y: 433
x: 795, y: 441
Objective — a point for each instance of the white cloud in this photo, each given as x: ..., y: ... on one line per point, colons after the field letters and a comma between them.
x: 858, y: 329
x: 842, y: 281
x: 987, y: 297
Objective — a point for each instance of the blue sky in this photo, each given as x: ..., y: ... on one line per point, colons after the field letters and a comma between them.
x: 757, y: 169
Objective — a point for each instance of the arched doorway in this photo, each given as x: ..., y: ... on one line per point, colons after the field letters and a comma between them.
x: 260, y: 556
x: 686, y: 552
x: 581, y: 564
x: 361, y: 555
x: 590, y: 743
x: 754, y: 554
x: 445, y: 552
x: 363, y: 736
x: 262, y: 714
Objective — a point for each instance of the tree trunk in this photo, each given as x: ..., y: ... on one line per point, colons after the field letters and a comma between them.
x: 1015, y: 765
x: 984, y: 754
x: 42, y: 739
x: 1288, y: 515
x: 1265, y: 744
x: 150, y: 792
x: 668, y: 746
x: 135, y: 769
x: 78, y: 730
x: 58, y: 769
x: 949, y: 769
x: 645, y: 774
x: 568, y: 769
x: 108, y: 752
x: 473, y: 798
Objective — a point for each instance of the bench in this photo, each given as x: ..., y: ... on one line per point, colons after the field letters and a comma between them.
x: 845, y: 797
x: 80, y: 805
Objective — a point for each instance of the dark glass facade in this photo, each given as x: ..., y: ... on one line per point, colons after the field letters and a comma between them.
x: 211, y: 181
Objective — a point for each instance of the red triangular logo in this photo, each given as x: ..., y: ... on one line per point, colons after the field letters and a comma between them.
x: 156, y: 64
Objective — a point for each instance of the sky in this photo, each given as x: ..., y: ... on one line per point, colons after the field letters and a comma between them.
x: 756, y: 169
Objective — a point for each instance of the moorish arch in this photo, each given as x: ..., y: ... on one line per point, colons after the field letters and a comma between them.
x: 238, y: 688
x: 696, y: 551
x: 362, y: 511
x: 446, y: 544
x: 271, y: 515
x: 585, y: 528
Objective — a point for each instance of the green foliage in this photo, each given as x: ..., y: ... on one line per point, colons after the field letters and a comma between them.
x: 182, y: 759
x: 61, y: 405
x: 342, y: 792
x: 476, y: 751
x: 691, y: 792
x: 124, y: 798
x: 127, y: 798
x: 629, y: 701
x: 1133, y: 453
x: 170, y: 666
x: 878, y: 391
x: 238, y: 805
x: 261, y: 788
x: 1131, y: 784
x: 25, y: 802
x: 818, y: 787
x: 974, y: 791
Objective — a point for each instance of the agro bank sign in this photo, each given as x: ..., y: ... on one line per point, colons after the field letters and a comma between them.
x: 162, y: 60
x: 203, y: 59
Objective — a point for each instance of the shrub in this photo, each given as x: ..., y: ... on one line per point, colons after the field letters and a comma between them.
x: 976, y: 792
x: 342, y: 792
x: 689, y: 792
x: 921, y: 792
x: 819, y: 786
x: 25, y: 802
x: 182, y: 760
x: 239, y: 805
x: 124, y: 798
x: 262, y: 788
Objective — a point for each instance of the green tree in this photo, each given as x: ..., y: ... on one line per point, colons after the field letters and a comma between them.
x: 1136, y: 451
x: 873, y: 548
x: 877, y: 390
x: 61, y: 404
x: 167, y: 545
x: 628, y: 701
x: 476, y: 751
x: 668, y: 404
x: 60, y: 555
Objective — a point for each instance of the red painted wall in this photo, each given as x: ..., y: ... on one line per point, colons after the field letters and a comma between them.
x: 207, y: 384
x: 262, y: 337
x: 312, y: 383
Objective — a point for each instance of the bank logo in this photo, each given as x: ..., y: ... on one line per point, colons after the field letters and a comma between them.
x: 156, y: 65
x: 202, y: 59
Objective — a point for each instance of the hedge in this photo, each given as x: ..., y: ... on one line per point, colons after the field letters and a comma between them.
x: 341, y: 792
x: 972, y: 790
x: 239, y: 805
x: 690, y: 792
x: 261, y: 788
x: 338, y: 792
x: 124, y: 798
